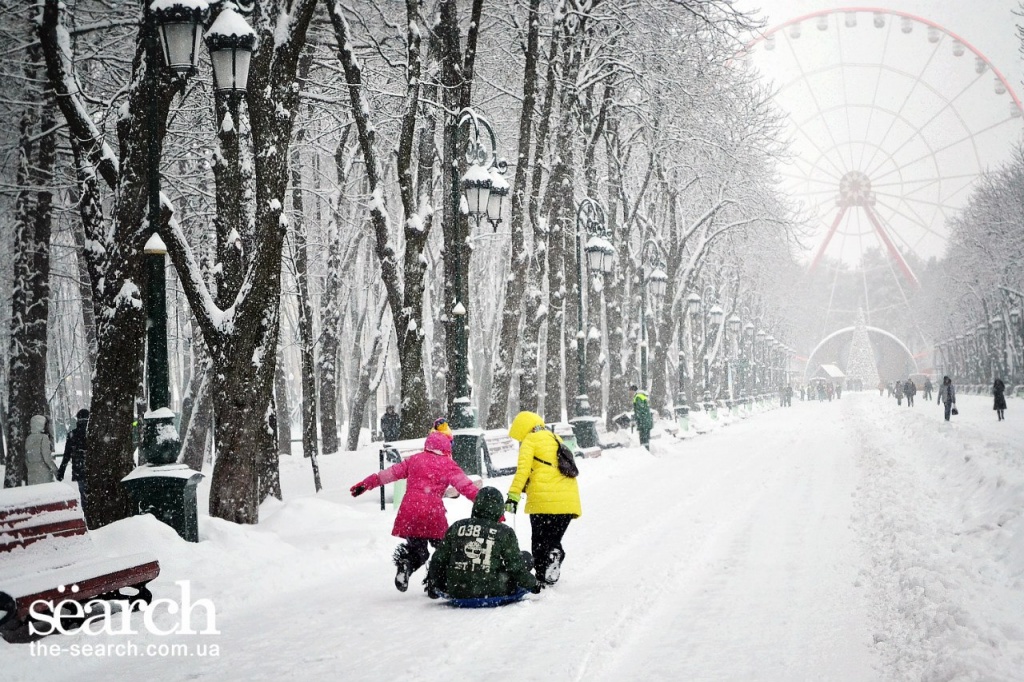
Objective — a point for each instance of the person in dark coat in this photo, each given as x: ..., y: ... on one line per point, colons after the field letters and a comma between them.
x: 390, y: 424
x: 75, y: 450
x: 480, y: 556
x: 642, y: 415
x: 909, y: 391
x: 947, y: 395
x: 898, y: 391
x: 999, y: 394
x: 927, y: 389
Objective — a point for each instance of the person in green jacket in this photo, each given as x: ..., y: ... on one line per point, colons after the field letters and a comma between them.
x: 480, y: 556
x: 642, y: 415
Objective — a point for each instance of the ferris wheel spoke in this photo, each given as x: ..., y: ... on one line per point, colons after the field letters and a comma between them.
x: 947, y: 210
x: 923, y: 224
x: 906, y: 100
x: 874, y: 94
x: 949, y: 105
x: 822, y: 154
x: 969, y: 136
x: 846, y: 93
x: 924, y: 182
x: 814, y: 98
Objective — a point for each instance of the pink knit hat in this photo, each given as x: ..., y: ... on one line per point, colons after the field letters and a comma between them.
x: 438, y: 442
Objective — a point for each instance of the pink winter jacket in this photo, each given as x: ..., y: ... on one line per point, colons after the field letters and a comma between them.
x: 422, y: 513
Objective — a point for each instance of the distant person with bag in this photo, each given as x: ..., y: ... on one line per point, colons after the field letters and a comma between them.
x: 999, y: 394
x: 39, y: 465
x: 552, y: 498
x: 947, y: 396
x: 75, y: 450
x: 421, y: 519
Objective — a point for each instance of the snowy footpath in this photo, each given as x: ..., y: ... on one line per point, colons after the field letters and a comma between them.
x: 851, y: 540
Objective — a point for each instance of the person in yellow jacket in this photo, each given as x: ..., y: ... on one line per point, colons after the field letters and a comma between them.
x: 552, y: 500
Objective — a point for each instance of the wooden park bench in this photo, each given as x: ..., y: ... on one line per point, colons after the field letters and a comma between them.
x: 47, y: 557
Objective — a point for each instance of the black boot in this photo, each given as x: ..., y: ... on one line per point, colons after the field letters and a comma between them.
x: 403, y: 568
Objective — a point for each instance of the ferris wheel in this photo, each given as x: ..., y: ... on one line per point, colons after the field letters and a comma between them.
x: 892, y: 119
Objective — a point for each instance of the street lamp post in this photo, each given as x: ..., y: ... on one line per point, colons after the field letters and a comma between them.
x: 690, y: 312
x: 1017, y: 344
x: 715, y: 318
x: 657, y: 280
x: 174, y: 32
x: 483, y: 189
x: 175, y: 35
x: 600, y: 256
x: 735, y: 323
x: 476, y: 187
x: 999, y: 346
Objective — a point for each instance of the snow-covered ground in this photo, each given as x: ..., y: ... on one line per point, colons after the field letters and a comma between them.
x: 851, y: 540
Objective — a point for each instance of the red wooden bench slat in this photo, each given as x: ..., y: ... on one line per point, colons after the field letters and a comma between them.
x: 16, y: 514
x: 136, y: 575
x: 26, y: 536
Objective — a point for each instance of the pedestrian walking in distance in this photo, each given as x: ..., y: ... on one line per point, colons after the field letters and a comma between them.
x: 999, y: 396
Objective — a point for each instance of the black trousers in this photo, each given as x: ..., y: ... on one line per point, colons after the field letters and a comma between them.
x: 416, y: 552
x: 548, y: 530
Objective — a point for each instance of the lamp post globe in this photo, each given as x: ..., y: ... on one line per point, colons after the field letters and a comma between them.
x: 496, y: 198
x: 179, y: 25
x: 230, y: 41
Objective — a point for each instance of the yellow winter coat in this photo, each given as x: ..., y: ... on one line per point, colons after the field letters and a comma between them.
x: 547, y: 491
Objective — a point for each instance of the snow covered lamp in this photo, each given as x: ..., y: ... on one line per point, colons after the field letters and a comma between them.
x: 1015, y: 316
x: 658, y: 282
x: 749, y: 329
x: 693, y: 304
x: 499, y: 190
x: 734, y: 323
x: 997, y: 324
x: 476, y: 187
x: 716, y: 314
x: 230, y: 41
x: 179, y: 25
x: 600, y: 255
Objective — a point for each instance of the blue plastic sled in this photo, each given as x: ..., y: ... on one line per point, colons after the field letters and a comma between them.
x: 486, y: 602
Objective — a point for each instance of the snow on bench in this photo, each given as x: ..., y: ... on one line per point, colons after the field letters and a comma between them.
x: 47, y: 556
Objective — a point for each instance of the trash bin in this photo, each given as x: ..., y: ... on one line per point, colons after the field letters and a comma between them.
x: 168, y: 492
x: 683, y: 417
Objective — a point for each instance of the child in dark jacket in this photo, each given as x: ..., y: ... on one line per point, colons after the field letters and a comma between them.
x: 480, y: 556
x: 421, y: 517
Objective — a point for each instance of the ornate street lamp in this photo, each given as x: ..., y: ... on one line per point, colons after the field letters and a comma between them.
x: 175, y: 30
x: 600, y: 256
x: 231, y: 42
x: 657, y: 283
x: 179, y: 23
x: 499, y: 190
x: 473, y: 188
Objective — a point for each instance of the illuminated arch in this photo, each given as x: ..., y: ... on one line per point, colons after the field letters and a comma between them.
x: 812, y: 364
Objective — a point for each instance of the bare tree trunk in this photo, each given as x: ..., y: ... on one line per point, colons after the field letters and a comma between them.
x: 283, y: 411
x: 512, y: 311
x: 361, y: 395
x: 529, y: 356
x: 30, y: 299
x: 330, y: 314
x: 310, y: 445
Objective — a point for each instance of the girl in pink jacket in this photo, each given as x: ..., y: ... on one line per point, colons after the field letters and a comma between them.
x: 421, y: 516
